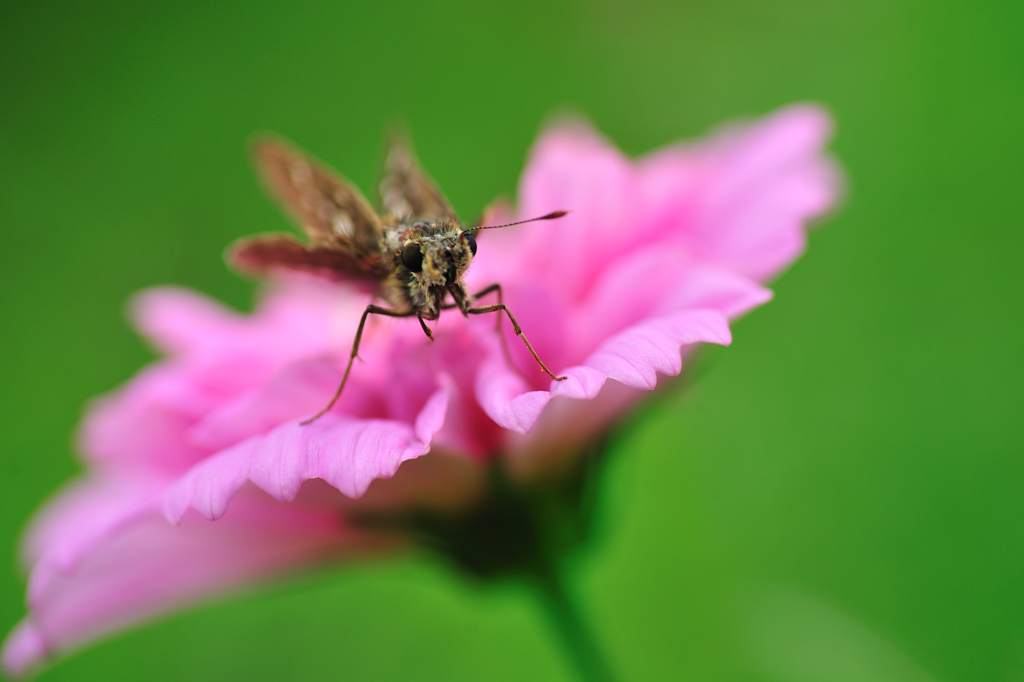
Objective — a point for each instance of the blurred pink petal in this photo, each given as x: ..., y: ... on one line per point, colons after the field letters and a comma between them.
x: 149, y: 566
x: 741, y: 199
x: 749, y: 192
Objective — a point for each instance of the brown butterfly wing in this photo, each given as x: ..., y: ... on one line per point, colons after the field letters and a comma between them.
x: 331, y: 211
x: 271, y: 253
x: 406, y: 191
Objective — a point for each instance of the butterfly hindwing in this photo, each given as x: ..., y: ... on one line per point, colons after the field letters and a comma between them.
x: 267, y: 254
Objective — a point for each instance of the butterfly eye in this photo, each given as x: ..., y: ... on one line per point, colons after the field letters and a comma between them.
x: 412, y: 257
x: 472, y: 242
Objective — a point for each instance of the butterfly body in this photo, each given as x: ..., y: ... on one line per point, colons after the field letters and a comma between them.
x: 414, y: 255
x: 439, y: 253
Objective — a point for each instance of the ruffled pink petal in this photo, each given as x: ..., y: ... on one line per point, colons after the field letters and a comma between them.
x: 150, y: 566
x: 443, y: 481
x: 636, y: 356
x: 564, y: 429
x: 506, y: 398
x: 347, y: 453
x: 633, y: 357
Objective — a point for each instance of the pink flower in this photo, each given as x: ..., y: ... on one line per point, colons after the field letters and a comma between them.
x: 200, y: 478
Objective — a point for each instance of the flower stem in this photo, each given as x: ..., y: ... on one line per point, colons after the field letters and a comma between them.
x: 573, y: 629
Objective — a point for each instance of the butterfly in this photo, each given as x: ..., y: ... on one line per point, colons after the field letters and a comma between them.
x: 413, y: 255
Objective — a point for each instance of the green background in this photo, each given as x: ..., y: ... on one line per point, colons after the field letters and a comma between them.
x: 837, y: 496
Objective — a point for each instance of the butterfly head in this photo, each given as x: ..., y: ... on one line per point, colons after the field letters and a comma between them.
x: 437, y: 254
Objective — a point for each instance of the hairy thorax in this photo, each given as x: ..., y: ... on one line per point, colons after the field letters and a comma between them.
x: 442, y: 255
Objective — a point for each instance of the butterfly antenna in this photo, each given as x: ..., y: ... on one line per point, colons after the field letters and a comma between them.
x: 549, y: 216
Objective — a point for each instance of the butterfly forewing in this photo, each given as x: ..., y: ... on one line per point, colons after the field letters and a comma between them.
x: 329, y: 209
x: 406, y: 191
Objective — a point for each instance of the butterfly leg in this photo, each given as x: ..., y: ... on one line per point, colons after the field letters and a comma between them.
x: 497, y: 326
x: 426, y: 329
x: 376, y: 310
x: 483, y: 292
x: 501, y: 307
x: 476, y: 297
